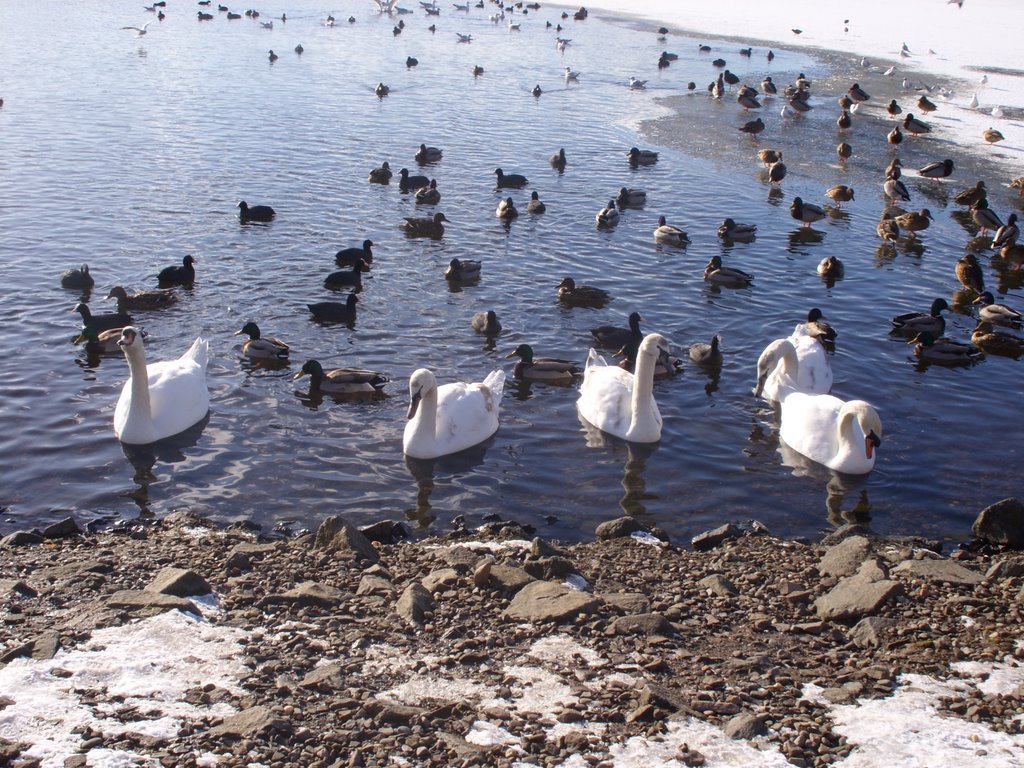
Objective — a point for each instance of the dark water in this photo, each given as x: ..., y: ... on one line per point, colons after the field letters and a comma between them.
x: 129, y: 153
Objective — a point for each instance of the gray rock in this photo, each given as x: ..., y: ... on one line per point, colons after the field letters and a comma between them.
x: 325, y: 677
x: 43, y: 646
x: 549, y: 601
x: 460, y: 558
x: 939, y: 570
x: 628, y: 602
x: 339, y: 536
x: 1002, y: 523
x: 653, y: 694
x: 371, y: 584
x: 143, y: 600
x: 75, y: 570
x: 414, y: 603
x: 253, y: 550
x: 386, y: 532
x: 307, y: 593
x: 618, y: 528
x: 873, y: 569
x: 508, y: 578
x: 999, y: 570
x: 843, y: 694
x: 542, y: 548
x: 719, y: 585
x: 854, y: 597
x: 249, y: 724
x: 21, y: 539
x: 238, y: 561
x: 62, y: 529
x: 870, y: 631
x: 179, y: 581
x: 643, y: 624
x: 437, y: 580
x: 702, y: 542
x: 13, y: 587
x: 845, y: 558
x: 392, y: 712
x: 745, y: 725
x: 549, y: 567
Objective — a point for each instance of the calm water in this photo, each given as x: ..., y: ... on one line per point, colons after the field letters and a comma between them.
x: 129, y: 153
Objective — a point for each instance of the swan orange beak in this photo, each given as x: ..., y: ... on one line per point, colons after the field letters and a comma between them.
x: 871, y: 441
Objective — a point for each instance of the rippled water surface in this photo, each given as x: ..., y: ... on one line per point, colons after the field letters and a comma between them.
x: 127, y: 153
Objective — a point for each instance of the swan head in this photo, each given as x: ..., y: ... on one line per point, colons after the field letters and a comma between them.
x: 130, y: 335
x: 869, y: 422
x: 421, y: 383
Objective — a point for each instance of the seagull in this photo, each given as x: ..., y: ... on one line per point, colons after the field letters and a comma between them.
x: 637, y: 85
x: 571, y: 76
x: 267, y: 24
x: 974, y: 101
x: 890, y: 71
x: 997, y: 111
x: 139, y: 31
x: 464, y: 38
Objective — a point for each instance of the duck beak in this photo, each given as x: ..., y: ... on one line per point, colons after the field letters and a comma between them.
x: 871, y: 441
x: 298, y: 375
x: 510, y: 354
x: 414, y: 403
x: 237, y: 333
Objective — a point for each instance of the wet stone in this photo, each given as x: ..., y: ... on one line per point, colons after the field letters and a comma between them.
x: 179, y: 581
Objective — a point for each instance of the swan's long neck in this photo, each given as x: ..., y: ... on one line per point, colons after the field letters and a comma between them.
x: 426, y: 416
x: 642, y: 404
x: 140, y: 409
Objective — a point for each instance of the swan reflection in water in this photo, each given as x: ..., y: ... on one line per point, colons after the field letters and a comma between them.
x: 170, y: 450
x: 452, y: 465
x: 838, y: 487
x: 634, y: 481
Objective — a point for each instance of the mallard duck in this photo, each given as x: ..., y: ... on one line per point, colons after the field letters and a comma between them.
x: 888, y: 229
x: 1006, y: 234
x: 142, y: 300
x: 769, y: 87
x: 271, y: 56
x: 101, y: 322
x: 614, y: 337
x: 452, y: 417
x: 506, y: 209
x: 818, y: 328
x: 751, y: 127
x: 428, y: 195
x: 769, y: 156
x: 345, y: 278
x: 535, y: 205
x: 335, y: 311
x: 260, y: 347
x: 669, y: 234
x: 799, y: 103
x: 574, y: 295
x: 608, y: 216
x: 642, y: 156
x: 831, y: 268
x: 558, y: 160
x: 857, y: 93
x: 347, y: 257
x: 431, y: 226
x: 845, y: 102
x: 844, y: 121
x: 913, y: 323
x: 381, y: 175
x: 183, y: 275
x: 730, y: 230
x: 248, y: 212
x: 844, y: 151
x: 944, y: 351
x: 530, y: 368
x: 808, y: 213
x: 382, y: 90
x: 939, y: 169
x: 914, y: 221
x: 341, y: 380
x: 486, y: 323
x: 925, y: 105
x: 462, y: 270
x: 894, y: 109
x: 509, y: 180
x: 997, y: 342
x: 985, y: 217
x: 776, y: 173
x: 730, y: 277
x: 1018, y: 184
x: 840, y: 193
x: 622, y: 403
x: 103, y: 342
x: 895, y: 136
x: 160, y: 399
x: 841, y: 435
x: 629, y: 197
x: 972, y: 195
x: 991, y: 312
x: 797, y: 363
x: 894, y: 187
x: 705, y: 354
x: 969, y: 273
x: 427, y: 154
x: 914, y: 126
x: 477, y: 70
x: 408, y: 183
x: 77, y: 278
x: 991, y: 135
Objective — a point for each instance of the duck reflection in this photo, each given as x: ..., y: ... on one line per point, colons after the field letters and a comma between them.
x: 424, y: 471
x: 804, y: 236
x: 837, y: 487
x: 634, y: 480
x: 935, y: 191
x: 170, y: 450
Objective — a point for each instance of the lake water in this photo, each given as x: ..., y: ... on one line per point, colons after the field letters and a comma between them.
x: 128, y: 153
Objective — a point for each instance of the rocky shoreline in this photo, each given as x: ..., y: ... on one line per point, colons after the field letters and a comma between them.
x: 365, y: 649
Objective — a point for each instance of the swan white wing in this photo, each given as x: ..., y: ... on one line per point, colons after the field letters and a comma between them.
x: 814, y: 374
x: 466, y: 415
x: 606, y: 398
x: 810, y: 425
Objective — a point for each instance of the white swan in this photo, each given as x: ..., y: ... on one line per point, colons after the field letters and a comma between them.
x: 795, y: 364
x: 841, y: 435
x: 452, y: 417
x: 619, y: 402
x: 160, y: 399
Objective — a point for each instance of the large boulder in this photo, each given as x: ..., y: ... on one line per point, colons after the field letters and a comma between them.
x: 548, y: 601
x: 338, y: 535
x: 1002, y: 523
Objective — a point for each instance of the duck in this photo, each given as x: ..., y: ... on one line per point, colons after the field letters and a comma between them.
x: 261, y: 213
x: 943, y: 351
x: 642, y: 156
x: 991, y: 135
x: 844, y: 121
x: 141, y: 300
x: 1000, y: 314
x: 341, y: 380
x: 608, y: 216
x: 769, y: 87
x: 382, y: 90
x: 731, y: 230
x: 667, y: 366
x: 428, y: 195
x: 573, y: 295
x: 707, y: 354
x: 382, y: 174
x: 894, y: 109
x: 857, y: 93
x: 77, y: 278
x: 506, y: 210
x: 558, y: 160
x: 776, y: 173
x: 895, y: 136
x: 509, y: 180
x: 335, y: 311
x: 348, y: 278
x: 462, y: 270
x: 530, y: 368
x: 163, y: 398
x: 808, y: 213
x: 271, y: 56
x: 630, y: 197
x: 101, y: 322
x: 669, y: 234
x: 486, y: 323
x: 535, y: 205
x: 477, y: 70
x: 972, y: 195
x: 730, y: 277
x: 622, y: 403
x: 843, y: 436
x: 840, y: 193
x: 748, y: 102
x: 844, y: 151
x: 614, y: 337
x: 985, y: 217
x: 913, y: 323
x: 102, y: 342
x: 450, y: 418
x: 939, y: 169
x: 260, y: 347
x: 347, y: 257
x: 409, y: 183
x: 799, y: 103
x: 537, y: 91
x: 894, y: 187
x: 888, y: 229
x: 818, y: 328
x: 926, y: 105
x: 183, y: 275
x: 1006, y: 234
x: 831, y: 268
x: 968, y: 272
x: 427, y: 154
x: 913, y: 222
x: 996, y: 342
x: 797, y: 363
x: 769, y: 156
x: 915, y: 126
x: 431, y: 226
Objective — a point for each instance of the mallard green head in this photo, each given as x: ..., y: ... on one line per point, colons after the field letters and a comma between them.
x: 937, y: 306
x: 251, y: 330
x: 310, y: 368
x: 524, y: 352
x: 985, y: 298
